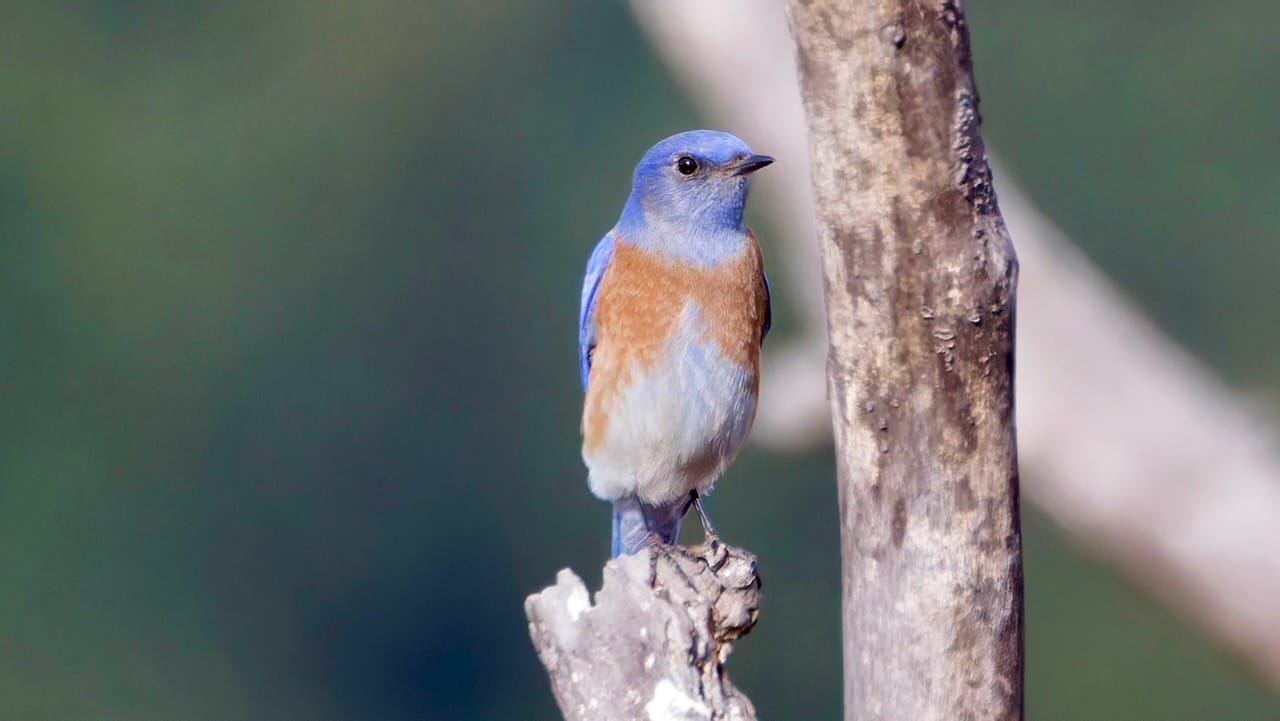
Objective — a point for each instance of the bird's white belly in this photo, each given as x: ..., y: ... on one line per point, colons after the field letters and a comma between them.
x: 676, y: 426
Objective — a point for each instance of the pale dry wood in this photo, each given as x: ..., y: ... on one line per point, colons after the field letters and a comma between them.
x: 654, y: 644
x: 1126, y: 441
x: 920, y: 277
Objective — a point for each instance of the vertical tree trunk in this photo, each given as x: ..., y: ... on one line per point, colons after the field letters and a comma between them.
x: 920, y: 278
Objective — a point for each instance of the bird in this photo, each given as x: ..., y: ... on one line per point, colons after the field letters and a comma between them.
x: 674, y: 311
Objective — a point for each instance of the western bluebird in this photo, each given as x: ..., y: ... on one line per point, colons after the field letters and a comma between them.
x: 675, y: 307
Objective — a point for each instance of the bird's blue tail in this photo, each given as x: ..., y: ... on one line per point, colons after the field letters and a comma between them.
x: 633, y: 521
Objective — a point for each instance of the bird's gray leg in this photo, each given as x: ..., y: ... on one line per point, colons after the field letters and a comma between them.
x: 696, y: 502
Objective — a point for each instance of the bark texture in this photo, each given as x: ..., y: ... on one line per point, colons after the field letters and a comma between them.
x: 653, y: 646
x: 920, y: 278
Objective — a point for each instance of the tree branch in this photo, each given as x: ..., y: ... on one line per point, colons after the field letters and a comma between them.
x: 654, y: 644
x: 920, y: 279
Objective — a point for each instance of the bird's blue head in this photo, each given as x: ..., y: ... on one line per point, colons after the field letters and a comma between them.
x: 694, y: 182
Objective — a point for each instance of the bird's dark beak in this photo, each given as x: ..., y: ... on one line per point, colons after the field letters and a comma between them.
x: 751, y: 164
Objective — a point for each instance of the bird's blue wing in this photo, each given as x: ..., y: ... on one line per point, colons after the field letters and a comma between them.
x: 596, y: 266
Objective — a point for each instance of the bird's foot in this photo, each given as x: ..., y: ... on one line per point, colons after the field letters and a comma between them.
x: 654, y: 540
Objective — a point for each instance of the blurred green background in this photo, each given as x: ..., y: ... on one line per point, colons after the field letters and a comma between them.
x: 288, y: 387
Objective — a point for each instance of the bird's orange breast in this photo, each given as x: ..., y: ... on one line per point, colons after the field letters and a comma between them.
x: 640, y: 302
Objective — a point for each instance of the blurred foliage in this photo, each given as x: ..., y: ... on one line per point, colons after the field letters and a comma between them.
x: 287, y: 323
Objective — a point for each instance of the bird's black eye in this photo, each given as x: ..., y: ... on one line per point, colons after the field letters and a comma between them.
x: 687, y: 165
